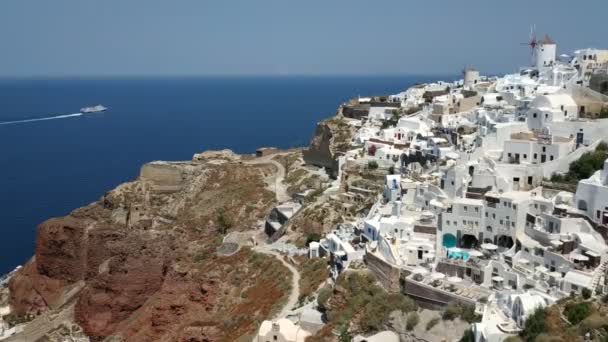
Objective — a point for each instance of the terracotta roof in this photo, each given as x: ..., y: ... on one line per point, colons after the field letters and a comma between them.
x: 547, y: 40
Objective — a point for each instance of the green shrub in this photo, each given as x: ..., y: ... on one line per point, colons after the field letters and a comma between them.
x: 323, y: 297
x: 576, y: 312
x: 586, y: 293
x: 312, y: 237
x: 372, y: 165
x: 391, y: 170
x: 412, y: 321
x: 451, y: 312
x: 430, y: 324
x: 468, y: 336
x: 535, y: 325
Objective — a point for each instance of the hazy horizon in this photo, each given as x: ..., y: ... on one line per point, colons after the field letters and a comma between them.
x: 190, y: 38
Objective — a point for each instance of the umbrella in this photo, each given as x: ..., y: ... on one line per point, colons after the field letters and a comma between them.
x: 454, y: 279
x: 498, y: 278
x: 437, y: 276
x: 541, y: 269
x: 454, y: 250
x: 523, y: 261
x: 420, y: 270
x: 475, y: 253
x: 489, y: 246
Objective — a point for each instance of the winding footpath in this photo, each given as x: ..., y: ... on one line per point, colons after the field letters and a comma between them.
x: 279, y: 187
x: 292, y: 301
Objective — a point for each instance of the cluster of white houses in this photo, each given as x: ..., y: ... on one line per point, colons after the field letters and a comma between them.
x: 467, y: 215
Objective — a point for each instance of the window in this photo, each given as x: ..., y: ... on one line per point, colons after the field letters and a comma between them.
x: 464, y: 222
x: 447, y: 222
x: 544, y: 149
x: 476, y: 209
x: 534, y: 115
x: 514, y: 206
x: 500, y: 221
x: 535, y: 155
x: 509, y: 155
x: 489, y: 228
x: 465, y: 208
x: 525, y: 156
x: 551, y: 158
x: 493, y: 215
x: 486, y: 214
x: 513, y: 224
x: 598, y: 213
x: 546, y: 116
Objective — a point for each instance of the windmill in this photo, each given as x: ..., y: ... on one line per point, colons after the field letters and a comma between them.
x: 532, y: 43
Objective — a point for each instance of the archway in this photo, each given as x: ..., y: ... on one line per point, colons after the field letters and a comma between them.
x: 505, y: 241
x: 469, y: 241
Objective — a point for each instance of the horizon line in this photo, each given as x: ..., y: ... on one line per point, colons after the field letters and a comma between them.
x: 211, y: 76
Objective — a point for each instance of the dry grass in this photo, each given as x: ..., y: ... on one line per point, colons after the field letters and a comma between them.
x: 313, y: 272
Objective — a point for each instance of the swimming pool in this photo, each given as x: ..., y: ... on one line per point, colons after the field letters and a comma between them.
x: 459, y: 255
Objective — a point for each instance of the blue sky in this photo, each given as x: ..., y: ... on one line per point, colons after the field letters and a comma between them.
x: 81, y: 38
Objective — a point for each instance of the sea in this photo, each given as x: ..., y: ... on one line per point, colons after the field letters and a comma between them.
x: 54, y: 159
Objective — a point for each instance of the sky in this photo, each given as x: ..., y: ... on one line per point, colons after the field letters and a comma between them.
x: 122, y: 38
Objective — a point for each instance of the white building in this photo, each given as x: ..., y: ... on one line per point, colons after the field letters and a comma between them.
x: 536, y: 147
x: 545, y: 53
x: 546, y: 109
x: 592, y: 196
x: 282, y: 330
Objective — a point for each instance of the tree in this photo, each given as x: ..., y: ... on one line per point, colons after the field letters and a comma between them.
x: 372, y: 165
x: 535, y: 325
x: 586, y: 293
x: 412, y: 321
x: 576, y: 312
x: 223, y: 222
x: 391, y: 170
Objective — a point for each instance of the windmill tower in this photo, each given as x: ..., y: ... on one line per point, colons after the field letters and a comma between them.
x: 542, y: 52
x: 532, y: 44
x: 471, y: 77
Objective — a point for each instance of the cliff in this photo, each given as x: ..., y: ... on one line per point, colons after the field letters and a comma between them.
x: 140, y: 263
x: 331, y: 139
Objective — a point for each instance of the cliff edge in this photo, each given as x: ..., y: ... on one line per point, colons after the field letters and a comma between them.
x: 140, y: 263
x: 331, y: 139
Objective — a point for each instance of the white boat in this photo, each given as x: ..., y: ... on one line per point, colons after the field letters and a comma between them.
x: 95, y: 109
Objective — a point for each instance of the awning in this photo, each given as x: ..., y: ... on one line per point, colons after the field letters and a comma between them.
x: 580, y: 257
x: 523, y: 261
x: 592, y: 254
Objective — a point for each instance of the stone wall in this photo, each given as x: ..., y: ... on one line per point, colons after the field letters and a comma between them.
x: 162, y: 177
x: 429, y: 297
x: 386, y: 274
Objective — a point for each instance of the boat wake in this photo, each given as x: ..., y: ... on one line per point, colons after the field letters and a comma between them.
x: 56, y: 117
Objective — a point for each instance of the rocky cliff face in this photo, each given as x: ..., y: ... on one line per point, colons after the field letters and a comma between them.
x: 140, y: 263
x: 332, y: 139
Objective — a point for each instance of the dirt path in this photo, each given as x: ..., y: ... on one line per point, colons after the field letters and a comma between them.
x: 295, y: 282
x: 278, y: 187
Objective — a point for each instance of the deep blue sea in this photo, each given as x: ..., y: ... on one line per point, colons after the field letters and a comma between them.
x: 48, y: 168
